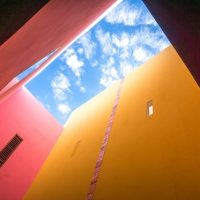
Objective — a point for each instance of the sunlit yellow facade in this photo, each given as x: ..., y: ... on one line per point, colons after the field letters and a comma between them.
x: 152, y: 157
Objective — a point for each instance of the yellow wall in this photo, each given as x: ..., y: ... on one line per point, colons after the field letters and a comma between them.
x: 148, y: 157
x: 67, y: 172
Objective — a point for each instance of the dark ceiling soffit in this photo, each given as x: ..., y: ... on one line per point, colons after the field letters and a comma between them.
x: 14, y: 14
x: 180, y: 21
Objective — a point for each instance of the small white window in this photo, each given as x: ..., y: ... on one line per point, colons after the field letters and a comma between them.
x: 149, y: 108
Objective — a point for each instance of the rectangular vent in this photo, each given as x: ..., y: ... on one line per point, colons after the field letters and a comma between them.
x: 6, y: 152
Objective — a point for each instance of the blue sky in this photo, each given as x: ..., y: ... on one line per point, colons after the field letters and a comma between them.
x: 123, y: 40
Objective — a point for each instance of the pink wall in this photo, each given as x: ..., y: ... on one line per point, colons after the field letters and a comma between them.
x: 21, y: 113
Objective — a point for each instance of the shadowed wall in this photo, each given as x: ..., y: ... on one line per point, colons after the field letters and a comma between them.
x: 180, y: 22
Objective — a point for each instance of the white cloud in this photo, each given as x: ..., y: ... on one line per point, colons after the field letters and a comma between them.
x: 153, y: 39
x: 121, y: 41
x: 125, y: 68
x: 109, y: 73
x: 113, y: 73
x: 60, y: 81
x: 123, y: 14
x: 125, y: 53
x: 147, y: 19
x: 141, y: 54
x: 106, y: 81
x: 124, y: 45
x: 80, y: 85
x: 162, y: 44
x: 80, y: 50
x: 130, y: 15
x: 71, y: 59
x: 73, y: 62
x: 61, y: 89
x: 59, y: 94
x: 82, y: 89
x: 105, y: 41
x: 128, y: 49
x: 88, y: 46
x: 64, y: 108
x: 60, y: 86
x: 94, y: 63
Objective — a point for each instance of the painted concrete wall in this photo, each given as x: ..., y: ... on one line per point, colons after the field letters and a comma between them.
x: 148, y: 157
x: 21, y: 113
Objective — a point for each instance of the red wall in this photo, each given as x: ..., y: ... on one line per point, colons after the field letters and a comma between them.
x: 21, y: 113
